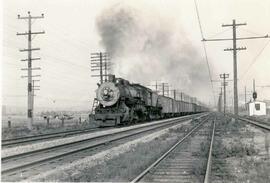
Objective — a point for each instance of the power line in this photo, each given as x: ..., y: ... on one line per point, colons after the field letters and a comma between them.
x: 205, y: 52
x: 219, y: 33
x: 255, y: 59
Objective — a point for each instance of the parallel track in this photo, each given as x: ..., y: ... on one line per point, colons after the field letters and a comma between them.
x: 20, y: 163
x: 175, y: 165
x: 252, y: 122
x: 42, y: 137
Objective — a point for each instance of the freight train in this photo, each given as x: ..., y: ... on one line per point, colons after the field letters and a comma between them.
x: 122, y: 102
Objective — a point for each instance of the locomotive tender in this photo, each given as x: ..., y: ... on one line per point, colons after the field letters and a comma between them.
x: 122, y: 102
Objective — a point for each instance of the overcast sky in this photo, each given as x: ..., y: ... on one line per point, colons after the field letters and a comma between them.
x: 72, y: 33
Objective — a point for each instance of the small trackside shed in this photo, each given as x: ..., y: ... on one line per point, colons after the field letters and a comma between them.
x: 257, y: 108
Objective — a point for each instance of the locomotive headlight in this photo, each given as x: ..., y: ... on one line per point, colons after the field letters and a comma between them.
x: 108, y: 94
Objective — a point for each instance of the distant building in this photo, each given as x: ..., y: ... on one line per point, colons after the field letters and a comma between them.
x: 257, y: 108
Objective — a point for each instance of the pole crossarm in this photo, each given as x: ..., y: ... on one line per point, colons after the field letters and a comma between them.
x: 35, y: 68
x: 231, y: 49
x: 32, y: 49
x: 100, y: 61
x: 240, y: 38
x: 230, y: 25
x: 221, y: 80
x: 32, y: 76
x: 27, y: 33
x: 31, y: 17
x: 24, y: 60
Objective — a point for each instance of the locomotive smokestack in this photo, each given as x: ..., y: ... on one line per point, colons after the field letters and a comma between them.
x: 111, y: 78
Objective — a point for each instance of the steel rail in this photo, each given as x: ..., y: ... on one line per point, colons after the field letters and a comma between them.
x: 207, y: 177
x: 140, y: 176
x: 253, y: 122
x: 33, y: 138
x: 104, y: 142
x: 3, y: 159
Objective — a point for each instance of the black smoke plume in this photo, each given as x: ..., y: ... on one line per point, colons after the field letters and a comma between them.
x: 146, y: 48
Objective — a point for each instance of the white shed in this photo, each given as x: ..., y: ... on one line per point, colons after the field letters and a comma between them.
x: 257, y: 108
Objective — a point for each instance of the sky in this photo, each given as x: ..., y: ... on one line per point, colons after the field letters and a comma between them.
x: 153, y: 40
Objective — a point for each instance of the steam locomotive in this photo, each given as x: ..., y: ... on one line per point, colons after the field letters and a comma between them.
x: 122, y: 102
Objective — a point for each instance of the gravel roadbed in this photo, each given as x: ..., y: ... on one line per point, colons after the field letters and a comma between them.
x: 90, y: 161
x: 36, y: 146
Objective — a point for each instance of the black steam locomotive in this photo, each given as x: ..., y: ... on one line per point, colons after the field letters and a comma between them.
x: 121, y: 102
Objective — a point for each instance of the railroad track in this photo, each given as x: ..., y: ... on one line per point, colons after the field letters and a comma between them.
x: 253, y: 122
x: 177, y: 164
x: 27, y: 164
x: 38, y: 138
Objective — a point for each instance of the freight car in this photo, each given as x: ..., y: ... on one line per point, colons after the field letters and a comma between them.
x: 121, y: 102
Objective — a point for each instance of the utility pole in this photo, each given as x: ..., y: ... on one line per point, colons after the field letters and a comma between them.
x: 174, y: 94
x: 34, y: 87
x: 30, y: 95
x: 254, y: 91
x: 220, y: 99
x: 245, y: 97
x: 254, y: 85
x: 100, y: 62
x: 163, y: 88
x: 234, y: 25
x: 224, y: 77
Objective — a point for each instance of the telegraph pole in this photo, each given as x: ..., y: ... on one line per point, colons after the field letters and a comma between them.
x: 224, y: 77
x: 234, y: 25
x: 254, y: 85
x: 174, y: 94
x: 163, y: 88
x: 234, y: 49
x: 220, y: 101
x: 30, y: 68
x: 100, y: 62
x: 245, y: 97
x: 34, y: 87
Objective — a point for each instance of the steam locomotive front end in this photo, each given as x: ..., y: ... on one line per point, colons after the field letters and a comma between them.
x: 107, y: 113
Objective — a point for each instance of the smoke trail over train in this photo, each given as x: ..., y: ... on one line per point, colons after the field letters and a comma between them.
x: 146, y: 48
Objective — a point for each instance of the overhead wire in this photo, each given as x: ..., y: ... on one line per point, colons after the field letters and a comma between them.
x: 205, y: 52
x: 255, y: 59
x: 219, y: 33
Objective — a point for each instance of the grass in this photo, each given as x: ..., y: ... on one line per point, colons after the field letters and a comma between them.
x: 231, y: 149
x: 22, y: 131
x: 235, y: 149
x: 254, y: 167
